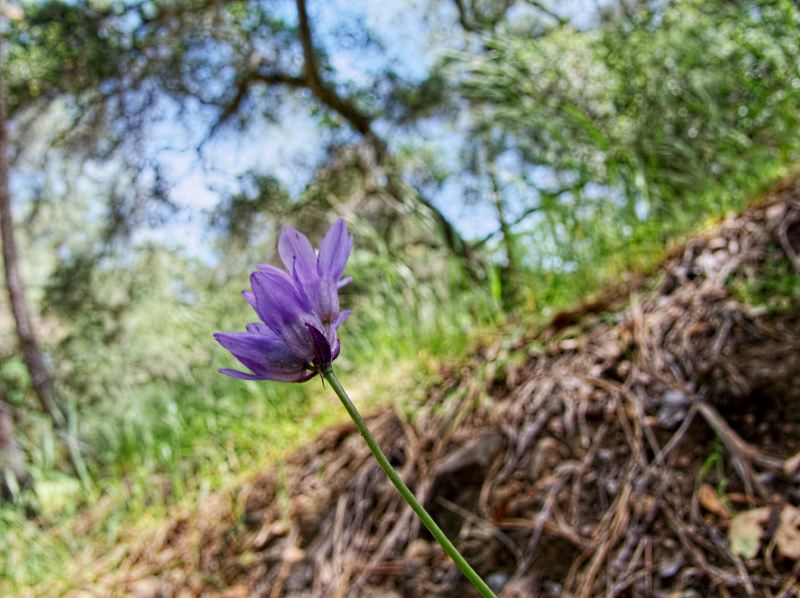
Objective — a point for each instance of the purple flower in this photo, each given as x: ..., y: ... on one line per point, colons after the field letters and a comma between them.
x: 298, y: 308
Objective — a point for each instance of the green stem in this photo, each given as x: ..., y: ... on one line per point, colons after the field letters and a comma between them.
x: 409, y: 497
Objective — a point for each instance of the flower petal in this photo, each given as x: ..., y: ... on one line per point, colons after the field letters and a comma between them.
x: 307, y: 291
x: 334, y: 250
x: 301, y: 377
x: 257, y: 349
x: 340, y: 319
x: 335, y: 348
x: 250, y: 298
x: 322, y: 348
x: 240, y: 375
x: 297, y: 253
x: 327, y: 299
x: 344, y: 281
x: 267, y: 356
x: 259, y: 328
x: 285, y: 311
x: 277, y: 300
x: 275, y: 272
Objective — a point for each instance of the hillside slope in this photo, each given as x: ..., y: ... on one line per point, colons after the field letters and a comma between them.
x: 611, y: 456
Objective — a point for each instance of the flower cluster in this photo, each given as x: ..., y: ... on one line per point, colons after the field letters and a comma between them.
x: 299, y: 310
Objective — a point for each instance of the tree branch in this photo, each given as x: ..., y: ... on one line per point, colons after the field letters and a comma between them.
x: 463, y: 18
x: 324, y: 92
x: 41, y: 381
x: 539, y: 5
x: 531, y: 210
x: 243, y: 86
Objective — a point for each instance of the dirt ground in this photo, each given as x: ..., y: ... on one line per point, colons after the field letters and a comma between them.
x: 646, y: 445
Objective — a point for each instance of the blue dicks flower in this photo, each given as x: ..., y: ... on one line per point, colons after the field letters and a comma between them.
x: 297, y: 336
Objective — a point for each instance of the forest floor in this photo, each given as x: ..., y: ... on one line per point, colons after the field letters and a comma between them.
x: 647, y: 444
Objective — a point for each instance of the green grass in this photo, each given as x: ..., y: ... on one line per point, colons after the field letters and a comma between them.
x: 615, y: 245
x: 775, y: 290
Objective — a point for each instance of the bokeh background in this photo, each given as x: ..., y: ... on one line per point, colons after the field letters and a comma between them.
x: 496, y: 160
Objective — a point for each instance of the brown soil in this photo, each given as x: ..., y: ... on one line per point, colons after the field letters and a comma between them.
x: 606, y: 462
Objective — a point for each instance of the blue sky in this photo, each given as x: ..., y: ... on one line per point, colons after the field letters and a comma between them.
x: 413, y: 35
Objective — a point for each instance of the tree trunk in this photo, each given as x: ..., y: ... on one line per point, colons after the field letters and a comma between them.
x: 505, y: 227
x: 510, y: 275
x: 12, y: 470
x: 40, y: 376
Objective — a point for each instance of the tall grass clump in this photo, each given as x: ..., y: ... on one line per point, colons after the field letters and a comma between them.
x: 636, y: 132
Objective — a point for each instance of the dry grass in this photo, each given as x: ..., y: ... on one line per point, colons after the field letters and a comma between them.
x: 567, y: 464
